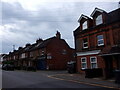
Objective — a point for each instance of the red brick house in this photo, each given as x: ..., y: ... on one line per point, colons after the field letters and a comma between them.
x: 52, y: 53
x: 23, y: 56
x: 97, y: 42
x: 8, y: 58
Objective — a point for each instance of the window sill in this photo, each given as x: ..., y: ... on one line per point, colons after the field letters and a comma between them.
x: 83, y: 69
x: 100, y: 45
x: 85, y: 48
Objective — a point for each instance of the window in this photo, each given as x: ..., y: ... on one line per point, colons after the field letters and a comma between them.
x: 100, y: 40
x: 29, y: 63
x: 83, y: 63
x: 31, y: 54
x: 84, y: 25
x: 93, y: 61
x: 23, y: 55
x: 85, y: 43
x: 42, y: 52
x: 99, y: 20
x: 64, y: 52
x: 14, y: 57
x: 49, y: 56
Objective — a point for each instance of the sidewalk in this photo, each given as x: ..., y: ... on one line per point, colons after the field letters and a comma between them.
x: 80, y: 78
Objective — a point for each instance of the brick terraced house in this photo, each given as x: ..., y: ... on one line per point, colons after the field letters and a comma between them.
x: 97, y: 42
x: 51, y: 54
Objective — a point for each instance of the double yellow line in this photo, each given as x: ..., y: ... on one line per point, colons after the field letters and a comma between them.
x: 52, y: 76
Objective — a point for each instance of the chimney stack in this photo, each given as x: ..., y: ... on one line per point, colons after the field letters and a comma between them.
x: 58, y: 35
x: 28, y: 44
x: 19, y: 48
x: 39, y: 40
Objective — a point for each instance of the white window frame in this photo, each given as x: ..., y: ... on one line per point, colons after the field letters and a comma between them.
x: 95, y: 62
x: 14, y: 57
x: 85, y: 43
x: 99, y: 20
x: 49, y: 56
x: 42, y: 52
x: 101, y: 44
x: 84, y: 63
x: 84, y: 25
x: 29, y: 63
x: 23, y: 55
x: 64, y: 51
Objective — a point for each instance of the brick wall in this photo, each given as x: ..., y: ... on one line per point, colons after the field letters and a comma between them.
x: 61, y: 54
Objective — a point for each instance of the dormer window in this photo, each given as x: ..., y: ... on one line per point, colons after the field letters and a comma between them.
x: 84, y: 25
x: 99, y: 20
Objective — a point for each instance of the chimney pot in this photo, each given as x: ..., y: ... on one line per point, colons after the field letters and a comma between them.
x: 58, y: 35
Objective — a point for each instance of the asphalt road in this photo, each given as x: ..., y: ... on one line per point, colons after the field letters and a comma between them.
x: 39, y: 79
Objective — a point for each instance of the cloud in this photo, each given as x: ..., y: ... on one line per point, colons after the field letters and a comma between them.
x: 21, y: 25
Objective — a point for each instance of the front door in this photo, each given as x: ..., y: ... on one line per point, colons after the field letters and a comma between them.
x: 117, y: 58
x: 41, y: 65
x: 109, y: 66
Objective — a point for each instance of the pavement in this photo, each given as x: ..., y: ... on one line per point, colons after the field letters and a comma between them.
x: 80, y: 78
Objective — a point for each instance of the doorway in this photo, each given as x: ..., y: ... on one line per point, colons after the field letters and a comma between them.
x: 109, y: 70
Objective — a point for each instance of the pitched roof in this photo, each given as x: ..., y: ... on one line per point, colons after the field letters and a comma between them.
x: 111, y: 17
x: 42, y: 44
x: 46, y: 42
x: 96, y: 10
x: 114, y: 15
x: 83, y: 16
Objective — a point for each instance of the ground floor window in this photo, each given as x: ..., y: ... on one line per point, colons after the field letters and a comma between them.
x: 84, y: 63
x: 93, y: 61
x: 29, y: 63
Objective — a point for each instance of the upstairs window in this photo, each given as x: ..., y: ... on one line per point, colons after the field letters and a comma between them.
x: 42, y: 52
x: 49, y: 56
x: 31, y: 54
x: 83, y: 63
x: 85, y: 43
x: 23, y: 55
x: 99, y: 20
x: 64, y: 52
x: 84, y: 25
x: 93, y: 61
x: 100, y: 40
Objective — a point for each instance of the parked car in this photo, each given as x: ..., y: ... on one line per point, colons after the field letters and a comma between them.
x: 8, y: 67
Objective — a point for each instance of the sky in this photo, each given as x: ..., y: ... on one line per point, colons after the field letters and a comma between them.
x: 24, y: 21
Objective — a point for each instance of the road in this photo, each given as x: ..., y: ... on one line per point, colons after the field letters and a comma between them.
x: 39, y: 79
